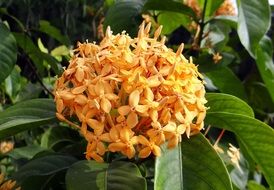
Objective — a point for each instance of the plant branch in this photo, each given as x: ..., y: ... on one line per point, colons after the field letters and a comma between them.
x: 202, y: 24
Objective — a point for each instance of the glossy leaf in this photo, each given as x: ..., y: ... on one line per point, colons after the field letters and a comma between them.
x: 26, y: 115
x: 124, y: 15
x: 27, y: 152
x: 202, y: 166
x: 46, y: 27
x: 211, y: 6
x: 167, y: 165
x: 43, y: 166
x: 227, y: 82
x: 252, y: 185
x: 171, y: 21
x: 265, y: 64
x: 253, y: 23
x: 218, y: 102
x: 8, y: 52
x: 169, y: 5
x: 117, y: 175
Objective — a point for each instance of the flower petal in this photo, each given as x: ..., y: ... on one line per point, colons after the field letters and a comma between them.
x: 134, y: 98
x: 105, y: 105
x: 124, y: 110
x: 143, y: 140
x: 132, y: 120
x: 156, y: 150
x: 145, y: 152
x: 115, y: 147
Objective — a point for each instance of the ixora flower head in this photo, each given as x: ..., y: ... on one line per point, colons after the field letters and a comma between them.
x: 131, y: 95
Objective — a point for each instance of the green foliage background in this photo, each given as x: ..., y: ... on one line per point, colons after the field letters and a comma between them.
x: 37, y: 38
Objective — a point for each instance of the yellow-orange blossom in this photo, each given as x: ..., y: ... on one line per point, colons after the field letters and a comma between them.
x: 131, y: 95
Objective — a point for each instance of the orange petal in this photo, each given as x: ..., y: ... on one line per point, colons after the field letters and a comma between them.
x: 181, y: 129
x: 101, y: 148
x: 153, y: 115
x: 79, y: 75
x: 94, y: 124
x: 170, y: 127
x: 66, y: 95
x: 59, y: 105
x: 132, y: 119
x: 105, y: 137
x: 134, y: 98
x: 179, y: 116
x: 156, y: 150
x: 130, y: 152
x: 106, y: 69
x: 201, y: 117
x: 81, y: 99
x: 105, y: 105
x: 125, y: 134
x: 79, y: 89
x: 114, y: 134
x: 141, y: 108
x: 145, y: 152
x: 124, y: 110
x: 96, y: 157
x: 188, y: 131
x: 149, y: 94
x: 173, y: 142
x: 115, y: 147
x: 99, y: 88
x: 143, y: 140
x: 111, y: 96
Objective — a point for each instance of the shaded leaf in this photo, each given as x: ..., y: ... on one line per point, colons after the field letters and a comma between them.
x: 211, y: 6
x: 8, y: 52
x: 118, y: 175
x: 26, y: 115
x: 27, y: 152
x: 169, y: 5
x: 124, y: 15
x: 265, y: 64
x: 253, y: 22
x: 202, y: 166
x: 227, y: 82
x: 167, y: 165
x: 252, y: 185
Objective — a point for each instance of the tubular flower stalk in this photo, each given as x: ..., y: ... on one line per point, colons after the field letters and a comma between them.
x: 131, y: 95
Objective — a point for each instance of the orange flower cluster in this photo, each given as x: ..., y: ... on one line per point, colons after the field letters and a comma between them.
x: 131, y: 95
x: 7, y: 185
x: 226, y: 8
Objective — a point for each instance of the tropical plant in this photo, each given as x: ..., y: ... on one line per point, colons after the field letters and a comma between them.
x: 179, y: 96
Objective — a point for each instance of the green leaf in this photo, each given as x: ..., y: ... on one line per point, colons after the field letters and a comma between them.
x: 43, y: 166
x: 26, y: 115
x: 252, y: 185
x: 218, y: 102
x: 256, y: 136
x: 86, y: 175
x: 167, y: 165
x: 8, y: 52
x: 227, y: 20
x: 265, y: 64
x: 253, y: 22
x: 211, y: 6
x: 169, y: 5
x: 47, y: 28
x: 124, y: 15
x: 27, y: 152
x: 171, y: 21
x: 202, y: 166
x: 227, y: 82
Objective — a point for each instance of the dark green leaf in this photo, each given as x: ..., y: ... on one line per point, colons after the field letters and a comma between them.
x: 226, y: 81
x: 218, y: 102
x: 226, y: 19
x: 43, y: 166
x: 202, y: 166
x: 171, y: 21
x: 86, y: 175
x: 211, y: 6
x: 167, y: 165
x: 8, y: 52
x: 265, y: 64
x: 26, y: 115
x: 169, y: 5
x: 46, y: 27
x: 124, y: 15
x: 27, y: 152
x: 253, y: 22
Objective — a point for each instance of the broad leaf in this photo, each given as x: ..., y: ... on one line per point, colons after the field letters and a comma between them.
x: 218, y: 102
x: 167, y: 165
x: 118, y: 175
x: 253, y: 22
x: 27, y: 152
x: 202, y: 166
x: 211, y: 6
x: 252, y: 185
x: 171, y: 21
x: 46, y: 27
x: 265, y: 64
x: 26, y: 115
x: 8, y: 52
x: 124, y: 15
x: 256, y: 136
x: 43, y: 166
x: 169, y: 5
x: 226, y: 81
